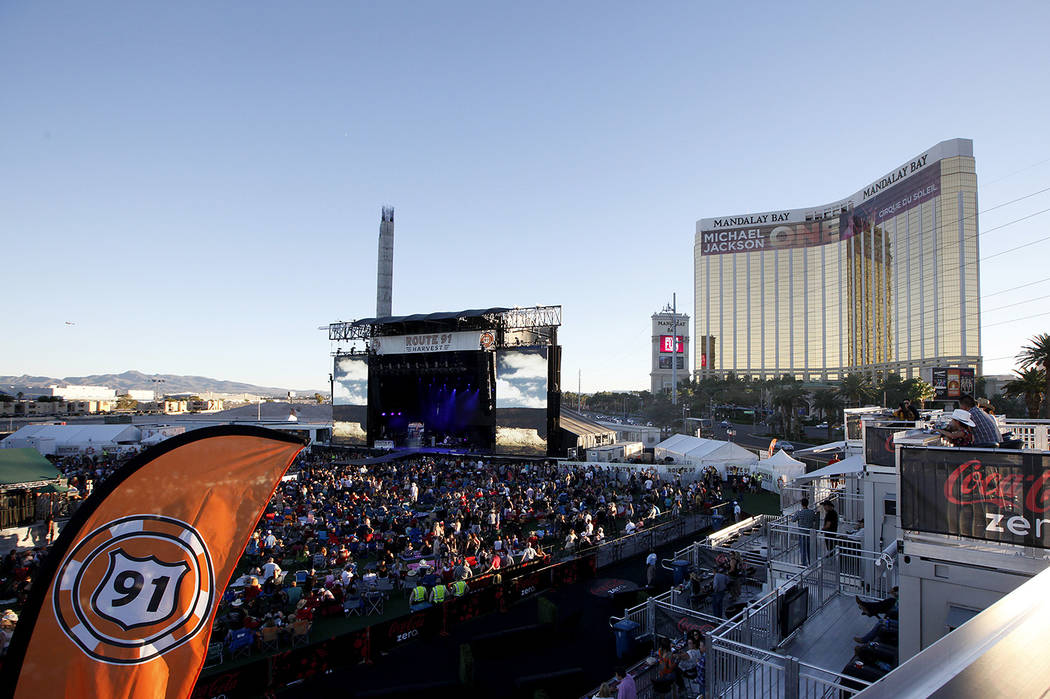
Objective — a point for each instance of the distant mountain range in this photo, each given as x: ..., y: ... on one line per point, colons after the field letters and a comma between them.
x: 170, y: 383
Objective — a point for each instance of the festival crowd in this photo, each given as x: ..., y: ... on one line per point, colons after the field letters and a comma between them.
x: 335, y: 532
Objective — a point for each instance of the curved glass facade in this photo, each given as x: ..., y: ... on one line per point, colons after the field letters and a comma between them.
x: 883, y: 281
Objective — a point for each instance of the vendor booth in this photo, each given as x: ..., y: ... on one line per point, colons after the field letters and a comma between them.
x: 683, y: 450
x: 779, y: 469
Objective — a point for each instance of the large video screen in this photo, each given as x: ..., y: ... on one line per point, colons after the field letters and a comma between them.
x: 350, y: 399
x: 521, y: 400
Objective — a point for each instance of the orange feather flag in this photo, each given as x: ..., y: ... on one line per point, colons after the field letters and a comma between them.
x: 123, y: 606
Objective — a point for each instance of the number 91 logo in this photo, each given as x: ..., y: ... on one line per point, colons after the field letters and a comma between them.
x: 134, y: 589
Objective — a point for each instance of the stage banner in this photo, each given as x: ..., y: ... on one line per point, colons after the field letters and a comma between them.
x: 426, y: 343
x: 990, y: 495
x: 878, y: 443
x: 124, y: 603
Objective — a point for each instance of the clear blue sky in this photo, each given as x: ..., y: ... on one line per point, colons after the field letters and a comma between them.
x: 197, y: 185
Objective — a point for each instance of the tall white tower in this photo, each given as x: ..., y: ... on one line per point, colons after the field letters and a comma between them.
x: 385, y: 275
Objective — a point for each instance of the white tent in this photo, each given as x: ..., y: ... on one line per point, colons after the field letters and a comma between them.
x: 700, y: 453
x: 782, y: 467
x: 851, y: 465
x: 74, y: 439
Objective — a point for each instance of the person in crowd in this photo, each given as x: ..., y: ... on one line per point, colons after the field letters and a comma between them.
x: 718, y: 592
x: 650, y: 569
x: 830, y: 526
x: 8, y: 621
x: 693, y: 659
x: 806, y: 519
x: 605, y: 692
x: 667, y: 662
x: 959, y: 432
x: 986, y: 431
x: 625, y: 687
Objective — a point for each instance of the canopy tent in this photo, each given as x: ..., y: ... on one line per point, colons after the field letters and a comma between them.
x: 852, y: 465
x: 701, y: 453
x: 782, y: 467
x: 25, y: 468
x: 822, y: 449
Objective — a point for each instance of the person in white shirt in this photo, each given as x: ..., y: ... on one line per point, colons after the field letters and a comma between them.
x: 528, y: 554
x: 271, y: 570
x: 413, y: 492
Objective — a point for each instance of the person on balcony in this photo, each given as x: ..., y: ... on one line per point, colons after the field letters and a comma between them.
x: 807, y: 521
x: 985, y: 430
x: 959, y: 432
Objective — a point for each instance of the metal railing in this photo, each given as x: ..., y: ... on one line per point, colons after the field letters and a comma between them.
x: 785, y: 541
x: 844, y: 491
x: 743, y: 657
x: 1032, y: 432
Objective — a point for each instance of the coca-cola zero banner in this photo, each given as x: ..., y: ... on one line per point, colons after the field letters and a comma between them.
x: 878, y: 443
x: 991, y: 495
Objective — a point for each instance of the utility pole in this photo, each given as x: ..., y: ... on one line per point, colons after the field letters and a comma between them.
x: 674, y: 349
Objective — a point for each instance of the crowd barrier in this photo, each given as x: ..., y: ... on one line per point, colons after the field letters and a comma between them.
x: 488, y: 594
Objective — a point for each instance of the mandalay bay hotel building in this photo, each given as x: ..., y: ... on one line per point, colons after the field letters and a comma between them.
x: 885, y: 280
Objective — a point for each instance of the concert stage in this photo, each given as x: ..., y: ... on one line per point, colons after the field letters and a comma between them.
x: 476, y: 381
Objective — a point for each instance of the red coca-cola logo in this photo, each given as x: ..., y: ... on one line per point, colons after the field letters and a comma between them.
x: 970, y: 484
x: 398, y: 627
x: 686, y: 624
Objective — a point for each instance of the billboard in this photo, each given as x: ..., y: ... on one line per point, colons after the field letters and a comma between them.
x: 665, y: 362
x: 350, y: 399
x: 521, y: 400
x: 951, y: 382
x: 990, y: 495
x: 891, y: 196
x: 668, y: 344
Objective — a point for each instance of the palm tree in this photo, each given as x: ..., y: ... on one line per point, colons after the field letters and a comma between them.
x: 827, y: 402
x: 854, y: 388
x: 1036, y: 355
x: 919, y: 391
x: 1030, y: 385
x: 788, y: 399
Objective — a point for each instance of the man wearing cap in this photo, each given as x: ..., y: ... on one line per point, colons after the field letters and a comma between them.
x: 985, y: 430
x: 960, y: 429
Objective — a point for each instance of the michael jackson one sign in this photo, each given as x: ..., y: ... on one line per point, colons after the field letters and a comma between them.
x: 991, y: 495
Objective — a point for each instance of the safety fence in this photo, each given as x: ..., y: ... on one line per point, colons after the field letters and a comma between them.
x: 271, y: 673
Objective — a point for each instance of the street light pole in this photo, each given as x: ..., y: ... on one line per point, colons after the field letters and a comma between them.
x: 674, y: 349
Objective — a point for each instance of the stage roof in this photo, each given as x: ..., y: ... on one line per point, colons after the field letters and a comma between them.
x: 425, y: 317
x: 573, y: 422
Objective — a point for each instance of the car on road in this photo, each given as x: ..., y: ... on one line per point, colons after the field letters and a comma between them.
x: 725, y: 424
x: 822, y: 426
x: 785, y: 445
